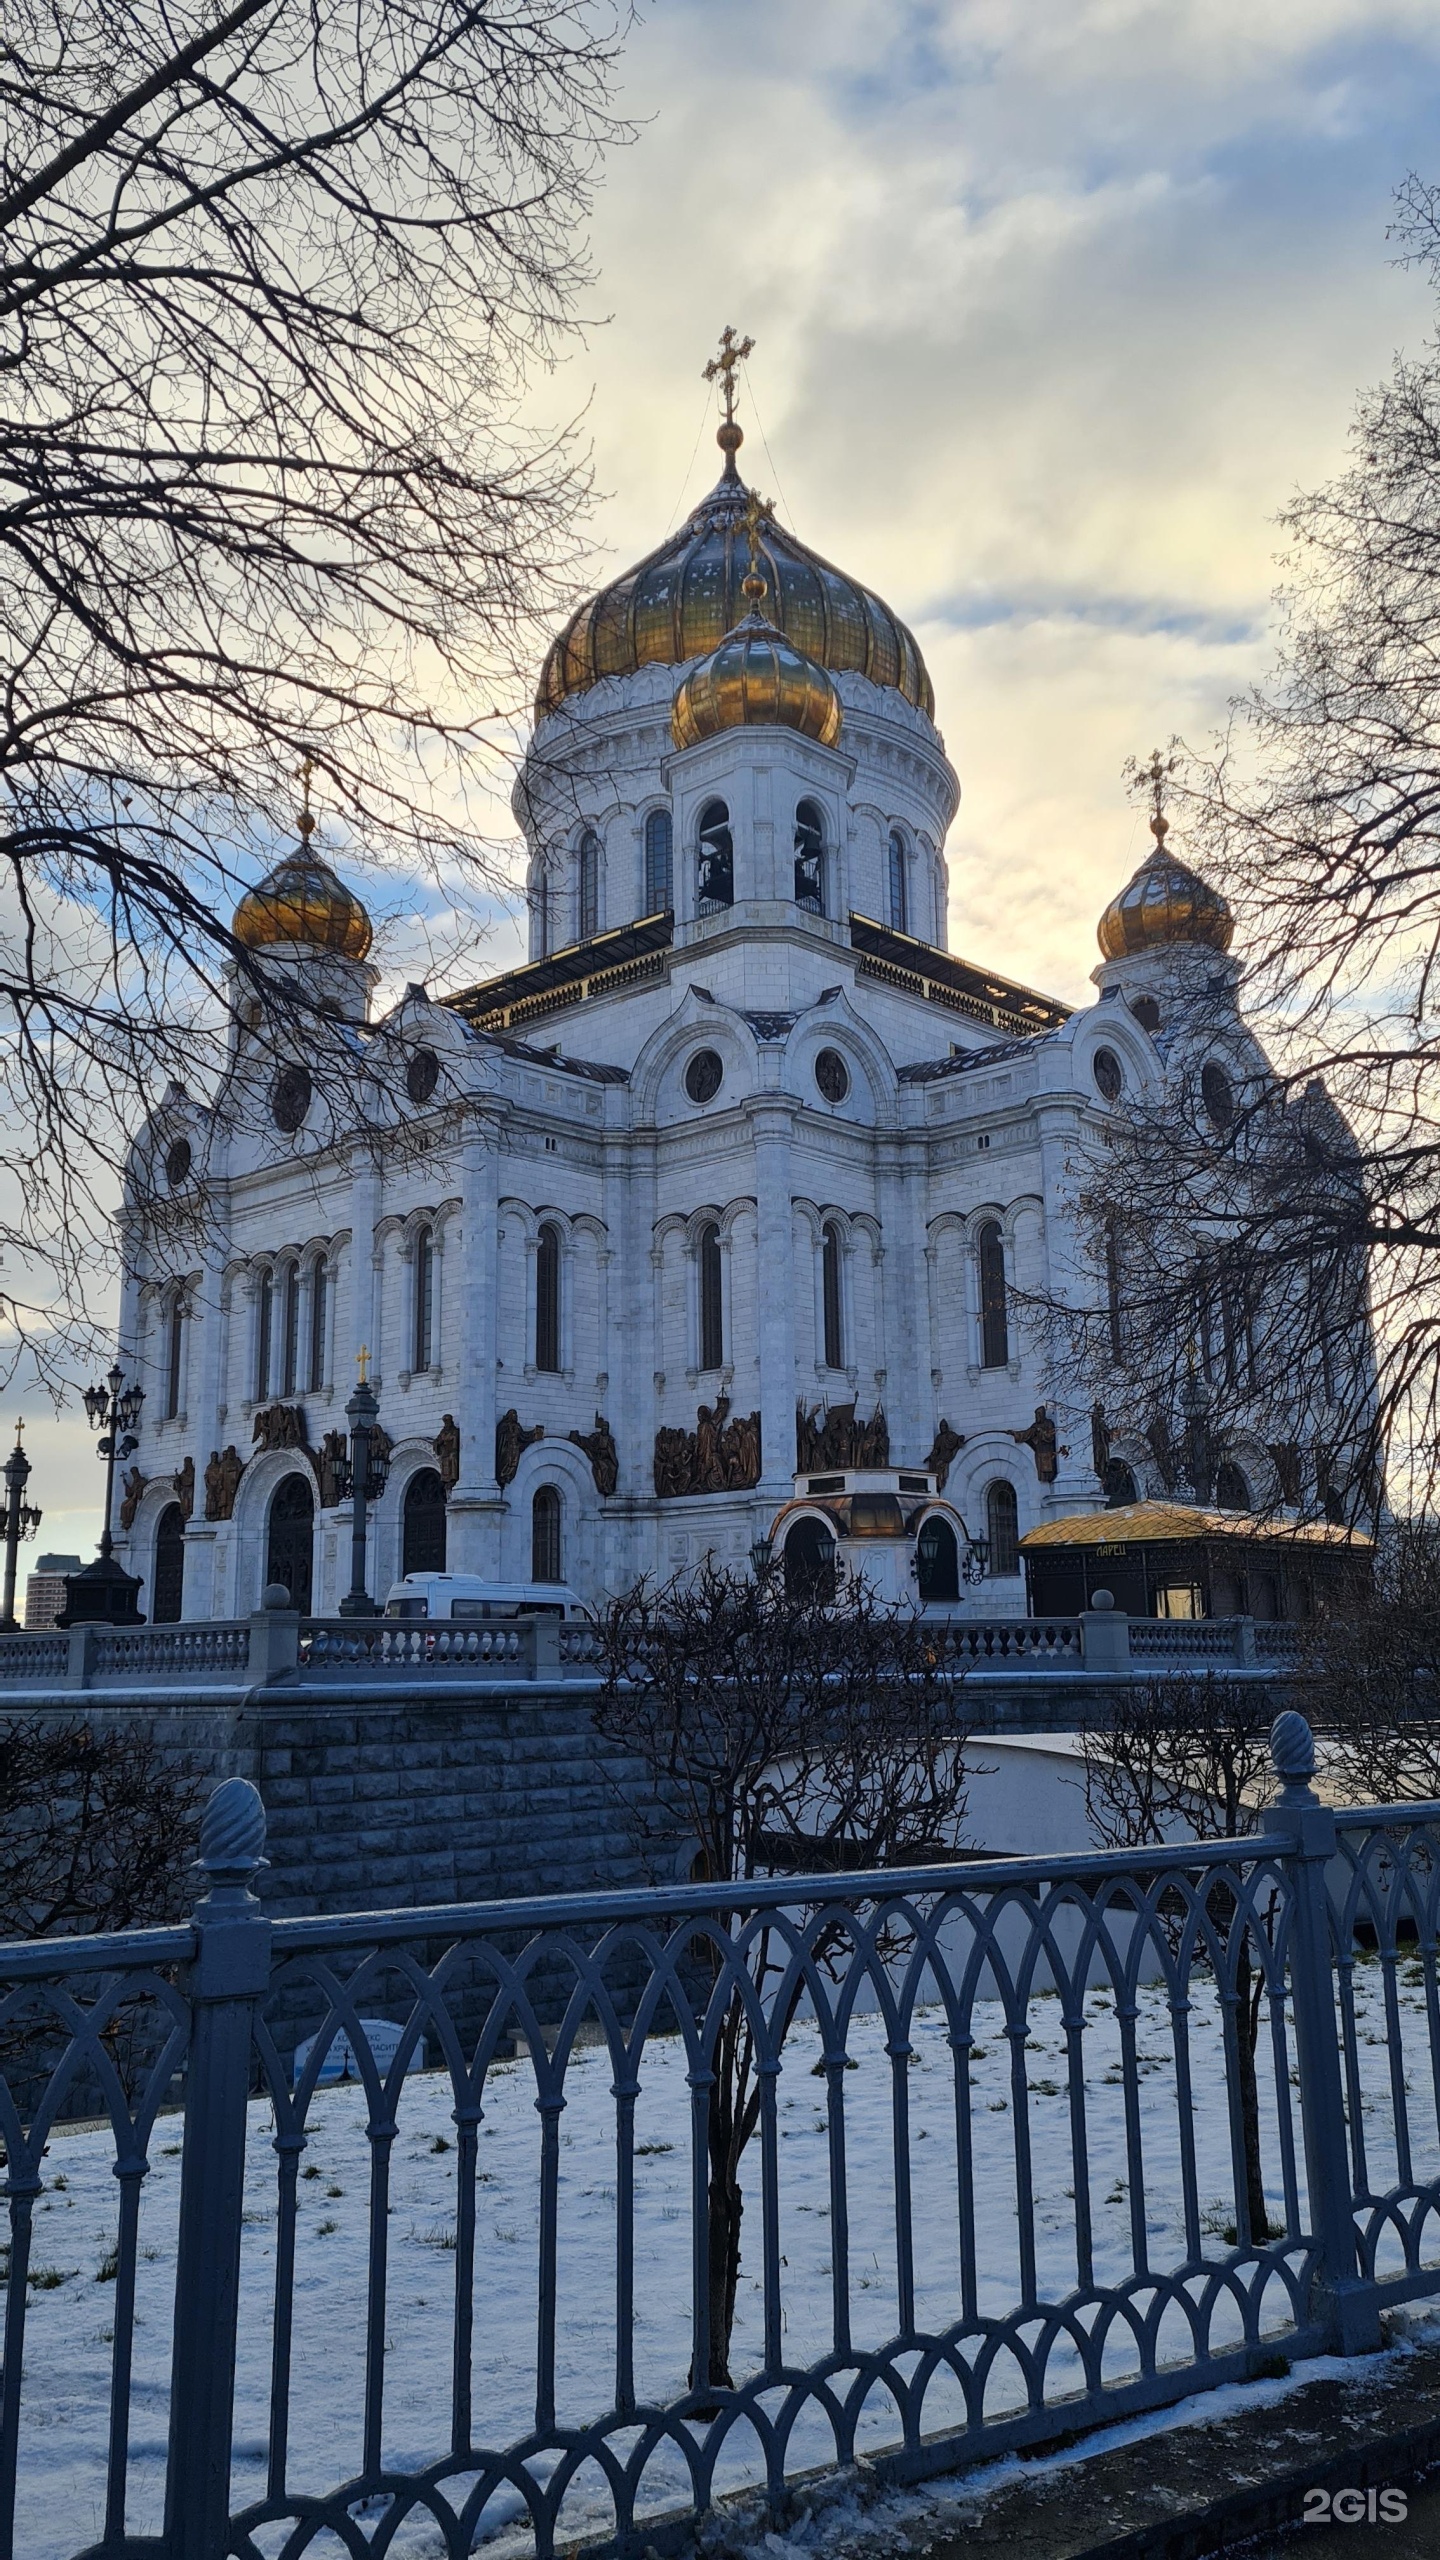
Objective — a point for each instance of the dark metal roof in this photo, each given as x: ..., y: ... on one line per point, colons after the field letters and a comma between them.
x: 963, y: 1061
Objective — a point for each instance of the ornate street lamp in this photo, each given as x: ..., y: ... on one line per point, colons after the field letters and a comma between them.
x: 18, y: 1519
x: 105, y: 1594
x: 362, y: 1478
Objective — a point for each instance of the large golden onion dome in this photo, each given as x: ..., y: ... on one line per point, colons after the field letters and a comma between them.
x: 1164, y: 903
x: 682, y: 601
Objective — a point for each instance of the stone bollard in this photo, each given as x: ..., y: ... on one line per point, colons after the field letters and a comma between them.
x: 274, y: 1636
x: 1104, y: 1634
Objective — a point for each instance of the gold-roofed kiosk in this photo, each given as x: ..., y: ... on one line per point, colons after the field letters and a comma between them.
x: 681, y: 600
x: 1165, y: 902
x: 1182, y: 1560
x: 303, y: 901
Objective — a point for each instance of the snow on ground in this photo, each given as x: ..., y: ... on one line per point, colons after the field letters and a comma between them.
x: 67, y: 2380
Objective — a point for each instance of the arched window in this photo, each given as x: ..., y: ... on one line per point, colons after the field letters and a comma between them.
x: 833, y: 1300
x: 1232, y: 1493
x: 659, y: 863
x: 264, y: 1328
x: 545, y: 1535
x: 174, y: 1356
x: 422, y: 1524
x: 809, y: 1557
x: 810, y: 858
x: 937, y: 1561
x: 168, y: 1586
x: 290, y: 1364
x: 994, y: 1313
x: 1120, y: 1485
x: 897, y: 864
x: 547, y: 1298
x: 712, y: 1318
x: 315, y: 1378
x: 1002, y: 1527
x: 715, y: 871
x: 423, y: 1344
x: 290, y: 1539
x: 541, y: 910
x: 589, y: 900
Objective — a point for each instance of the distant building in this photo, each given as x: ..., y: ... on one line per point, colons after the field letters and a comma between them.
x: 45, y: 1589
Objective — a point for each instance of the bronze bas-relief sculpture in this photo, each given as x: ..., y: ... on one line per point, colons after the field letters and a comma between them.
x: 222, y: 1482
x: 599, y: 1447
x: 834, y: 1438
x: 511, y: 1443
x: 720, y: 1455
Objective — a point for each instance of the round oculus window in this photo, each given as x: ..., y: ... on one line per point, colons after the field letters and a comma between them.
x: 290, y: 1098
x: 1218, y: 1094
x: 422, y: 1075
x: 1109, y: 1075
x: 832, y: 1075
x: 704, y: 1075
x: 178, y: 1161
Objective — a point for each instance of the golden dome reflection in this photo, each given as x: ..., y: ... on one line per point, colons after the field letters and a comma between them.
x: 1164, y: 903
x: 756, y: 679
x: 681, y: 601
x: 302, y: 900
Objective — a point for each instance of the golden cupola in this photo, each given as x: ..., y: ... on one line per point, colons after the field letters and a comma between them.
x: 1166, y: 902
x: 756, y: 678
x: 685, y: 598
x: 302, y: 900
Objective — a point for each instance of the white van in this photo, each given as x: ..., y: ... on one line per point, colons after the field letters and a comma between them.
x: 465, y: 1599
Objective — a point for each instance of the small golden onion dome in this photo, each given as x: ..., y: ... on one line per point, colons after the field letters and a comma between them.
x: 301, y: 900
x: 756, y: 679
x: 684, y: 599
x: 1164, y: 903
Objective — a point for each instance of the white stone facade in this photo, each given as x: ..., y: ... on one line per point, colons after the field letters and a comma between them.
x: 570, y: 1113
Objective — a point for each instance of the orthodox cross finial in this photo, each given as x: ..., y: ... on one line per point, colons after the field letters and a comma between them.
x: 721, y: 367
x: 307, y: 816
x: 362, y: 1363
x: 1156, y: 774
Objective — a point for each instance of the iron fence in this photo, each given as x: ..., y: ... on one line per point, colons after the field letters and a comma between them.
x: 412, y: 2216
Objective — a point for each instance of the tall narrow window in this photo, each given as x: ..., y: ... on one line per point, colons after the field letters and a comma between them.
x: 547, y: 1298
x: 290, y: 1365
x: 264, y: 1327
x: 315, y: 1379
x: 174, y: 1356
x: 424, y: 1343
x: 715, y: 869
x: 542, y: 914
x: 545, y: 1535
x: 810, y: 858
x: 899, y: 885
x: 712, y: 1322
x: 589, y: 917
x: 994, y: 1309
x: 1002, y: 1527
x: 1112, y: 1293
x: 659, y: 863
x: 832, y: 1298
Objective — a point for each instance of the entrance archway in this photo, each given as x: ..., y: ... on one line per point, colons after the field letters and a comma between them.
x: 167, y: 1588
x: 422, y: 1525
x: 290, y: 1542
x: 937, y: 1561
x: 809, y: 1561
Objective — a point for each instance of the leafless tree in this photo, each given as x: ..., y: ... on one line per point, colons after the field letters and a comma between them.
x: 1371, y: 1676
x: 1188, y: 1759
x: 783, y: 1731
x: 96, y: 1823
x: 1313, y: 1201
x: 273, y: 278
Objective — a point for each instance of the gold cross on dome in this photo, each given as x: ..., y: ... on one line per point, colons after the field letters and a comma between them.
x: 721, y: 367
x: 755, y: 513
x: 362, y: 1363
x: 303, y: 772
x: 1157, y: 774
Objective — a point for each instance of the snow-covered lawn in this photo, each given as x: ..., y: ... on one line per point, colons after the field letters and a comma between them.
x: 67, y: 2382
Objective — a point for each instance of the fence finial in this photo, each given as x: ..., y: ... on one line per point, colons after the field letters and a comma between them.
x: 232, y: 1833
x: 1292, y: 1752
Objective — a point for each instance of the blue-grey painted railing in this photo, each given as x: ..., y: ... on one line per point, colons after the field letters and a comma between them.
x: 987, y: 2341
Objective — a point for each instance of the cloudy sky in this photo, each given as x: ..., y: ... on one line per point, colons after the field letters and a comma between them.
x: 1055, y: 302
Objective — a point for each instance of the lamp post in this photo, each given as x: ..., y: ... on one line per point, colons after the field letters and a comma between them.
x: 18, y: 1519
x: 105, y: 1594
x: 367, y: 1471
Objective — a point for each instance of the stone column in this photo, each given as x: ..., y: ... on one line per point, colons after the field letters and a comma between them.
x: 903, y: 1189
x: 476, y: 1505
x: 771, y: 1122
